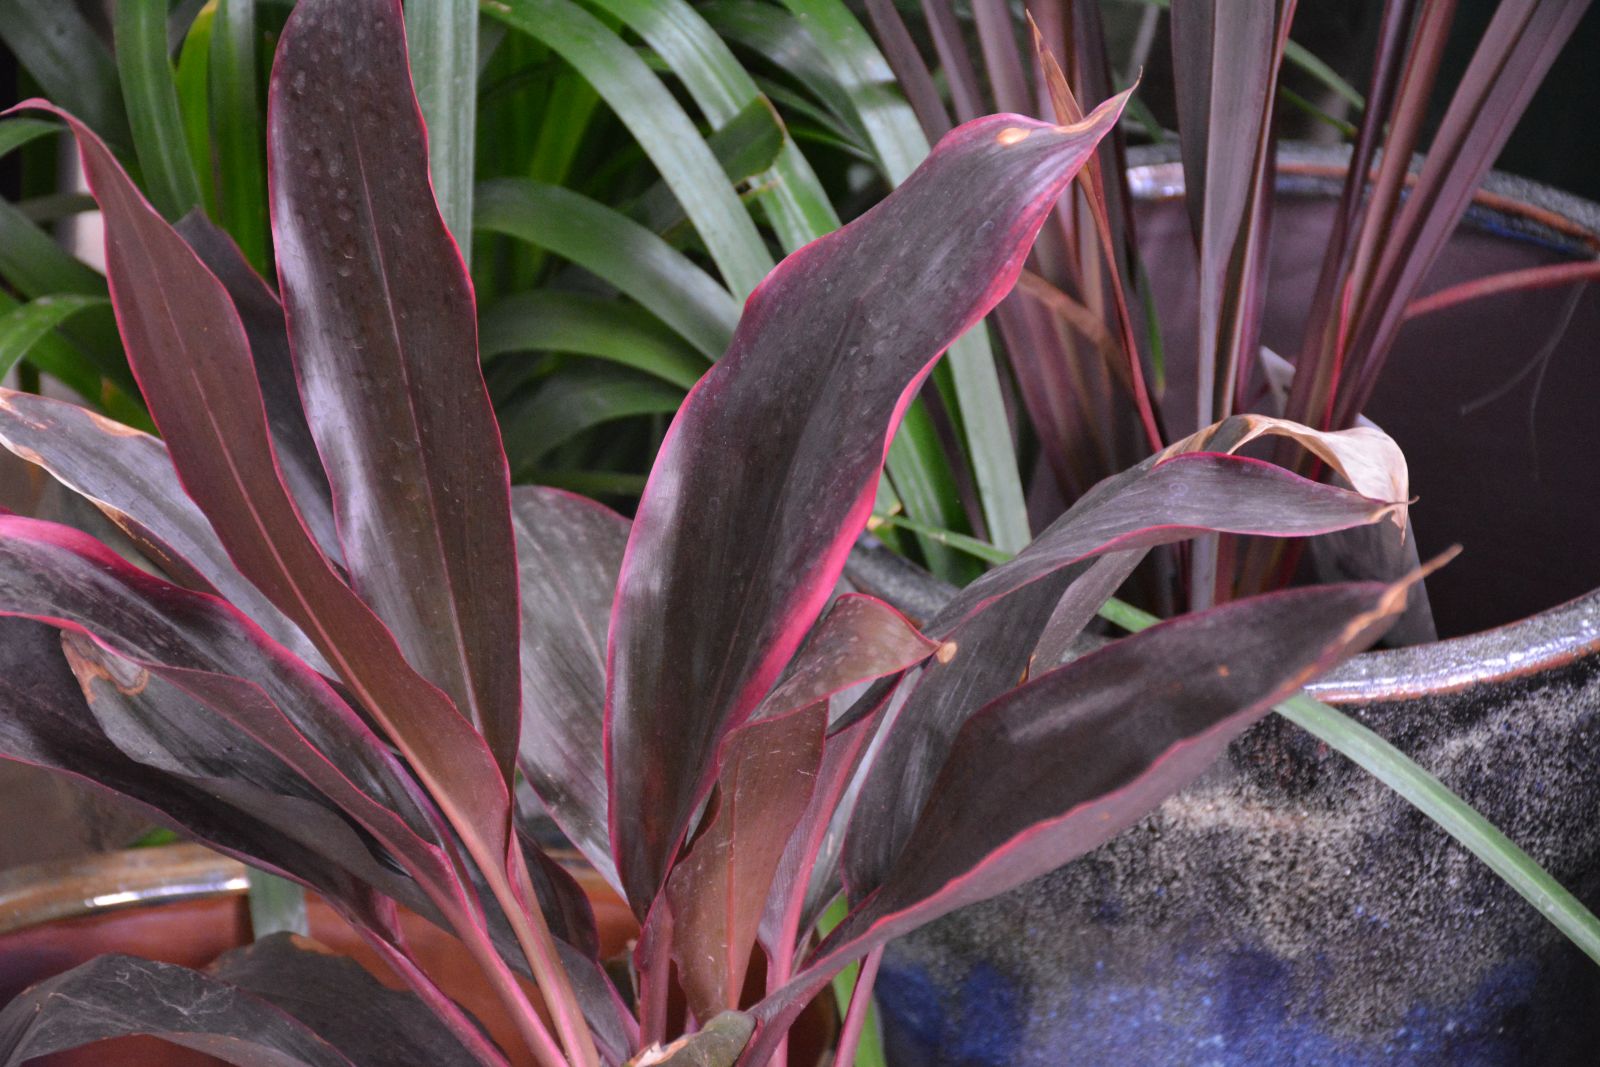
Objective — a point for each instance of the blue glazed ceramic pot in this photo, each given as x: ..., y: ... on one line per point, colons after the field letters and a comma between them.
x: 1288, y: 910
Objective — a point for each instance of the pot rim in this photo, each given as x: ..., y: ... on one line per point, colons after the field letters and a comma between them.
x: 1506, y: 204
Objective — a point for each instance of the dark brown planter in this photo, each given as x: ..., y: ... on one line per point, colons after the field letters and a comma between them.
x: 1289, y: 910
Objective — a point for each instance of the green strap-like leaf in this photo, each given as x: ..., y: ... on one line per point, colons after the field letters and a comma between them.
x: 575, y: 401
x: 794, y: 199
x: 442, y: 36
x: 147, y: 85
x: 59, y: 48
x: 659, y: 124
x: 23, y: 328
x: 193, y: 86
x: 618, y: 250
x: 236, y: 125
x: 549, y: 320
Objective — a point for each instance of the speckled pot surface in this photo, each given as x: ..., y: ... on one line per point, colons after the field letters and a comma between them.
x: 1290, y: 911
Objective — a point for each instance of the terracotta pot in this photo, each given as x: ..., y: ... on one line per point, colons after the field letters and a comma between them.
x: 1289, y: 910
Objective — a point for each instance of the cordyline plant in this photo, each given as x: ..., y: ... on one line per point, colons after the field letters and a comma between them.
x: 351, y: 640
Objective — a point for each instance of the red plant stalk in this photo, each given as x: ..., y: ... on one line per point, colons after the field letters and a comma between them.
x: 855, y: 1019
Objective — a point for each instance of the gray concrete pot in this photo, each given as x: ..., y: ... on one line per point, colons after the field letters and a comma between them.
x: 1288, y: 910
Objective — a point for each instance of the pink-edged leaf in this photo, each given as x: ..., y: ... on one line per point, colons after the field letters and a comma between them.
x: 192, y: 358
x: 1060, y: 765
x: 239, y: 799
x: 768, y: 472
x: 262, y: 316
x: 129, y: 476
x: 569, y: 550
x: 214, y: 654
x: 806, y: 877
x: 339, y: 1001
x: 116, y: 996
x: 384, y: 332
x: 719, y: 890
x: 1171, y: 499
x: 984, y: 656
x: 860, y: 639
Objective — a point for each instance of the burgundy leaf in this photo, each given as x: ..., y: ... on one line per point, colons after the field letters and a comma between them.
x: 860, y: 639
x: 719, y: 890
x: 988, y: 655
x: 129, y: 476
x: 1169, y: 499
x: 336, y: 999
x: 262, y: 317
x: 569, y: 550
x: 189, y: 351
x: 385, y: 340
x: 249, y: 809
x: 728, y: 566
x: 1060, y: 765
x: 115, y: 996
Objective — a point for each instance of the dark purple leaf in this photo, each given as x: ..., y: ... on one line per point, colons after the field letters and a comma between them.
x: 1518, y: 48
x: 1225, y: 61
x: 385, y: 340
x: 987, y: 655
x: 46, y: 721
x: 807, y: 875
x: 719, y: 890
x: 115, y: 996
x: 129, y: 476
x: 1171, y: 499
x: 1060, y: 765
x: 728, y: 566
x: 860, y: 639
x: 569, y: 550
x: 262, y: 317
x: 193, y: 361
x: 336, y: 999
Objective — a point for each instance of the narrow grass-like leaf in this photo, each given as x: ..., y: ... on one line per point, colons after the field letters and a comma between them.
x: 575, y: 400
x: 59, y: 359
x: 146, y: 71
x: 617, y: 249
x: 60, y: 50
x: 657, y: 122
x: 549, y: 320
x: 442, y: 36
x: 23, y: 328
x: 794, y: 199
x: 745, y: 146
x: 776, y: 548
x: 236, y: 128
x: 192, y: 83
x: 1429, y: 796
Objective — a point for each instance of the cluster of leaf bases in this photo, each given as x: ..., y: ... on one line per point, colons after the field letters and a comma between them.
x: 348, y: 636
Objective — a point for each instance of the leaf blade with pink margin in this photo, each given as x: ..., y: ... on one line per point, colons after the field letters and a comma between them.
x: 129, y: 476
x: 384, y: 333
x: 728, y: 565
x: 1058, y: 766
x: 192, y: 358
x: 569, y: 550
